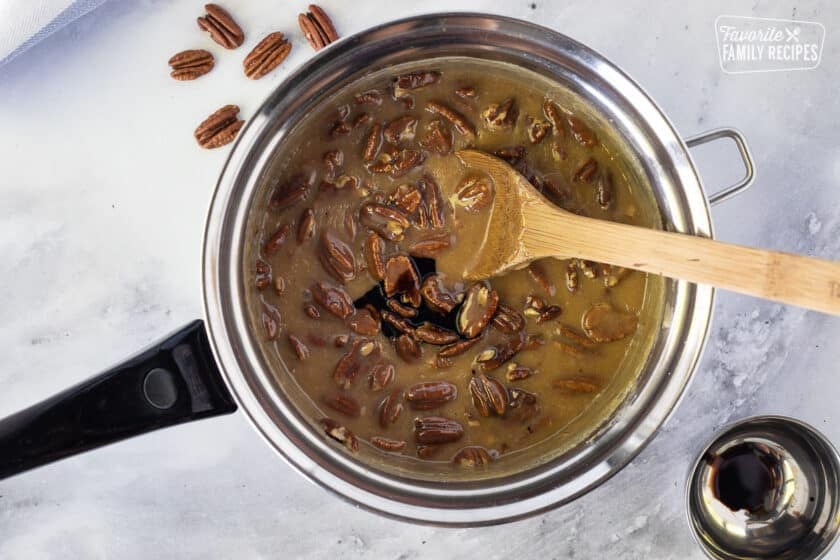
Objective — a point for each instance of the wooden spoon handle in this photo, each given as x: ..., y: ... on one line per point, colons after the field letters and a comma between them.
x: 794, y: 279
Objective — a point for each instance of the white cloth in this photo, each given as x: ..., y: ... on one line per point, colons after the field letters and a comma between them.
x: 23, y: 23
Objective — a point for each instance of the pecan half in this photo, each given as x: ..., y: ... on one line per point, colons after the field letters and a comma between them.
x: 430, y: 246
x: 472, y: 456
x: 337, y: 257
x: 390, y: 408
x: 221, y: 27
x: 301, y: 349
x: 271, y: 321
x: 388, y: 444
x: 497, y: 355
x: 437, y: 296
x: 604, y: 190
x: 398, y: 323
x: 586, y: 171
x: 333, y: 298
x: 614, y: 274
x: 396, y: 162
x: 276, y: 241
x: 220, y: 128
x: 381, y: 375
x: 502, y: 115
x: 262, y: 276
x: 400, y: 130
x: 400, y: 309
x: 291, y: 192
x: 408, y: 348
x: 340, y: 433
x: 317, y: 27
x: 345, y: 404
x: 351, y: 363
x: 537, y: 129
x: 415, y: 80
x: 576, y: 385
x: 488, y: 395
x: 430, y: 394
x: 373, y: 143
x: 458, y: 348
x: 523, y: 405
x: 311, y: 311
x: 461, y: 124
x: 572, y: 280
x: 518, y: 373
x: 267, y: 55
x: 436, y: 430
x: 306, y: 225
x: 369, y: 97
x: 433, y: 334
x: 189, y: 65
x: 602, y: 323
x: 508, y: 320
x: 475, y: 193
x: 550, y: 313
x: 540, y: 276
x: 479, y: 307
x: 375, y: 256
x: 388, y: 222
x: 363, y: 322
x: 433, y: 201
x: 406, y: 197
x: 438, y: 137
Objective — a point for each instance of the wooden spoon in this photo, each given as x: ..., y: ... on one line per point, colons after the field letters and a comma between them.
x: 525, y: 226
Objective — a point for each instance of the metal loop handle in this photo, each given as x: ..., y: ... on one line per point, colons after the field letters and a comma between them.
x: 743, y: 150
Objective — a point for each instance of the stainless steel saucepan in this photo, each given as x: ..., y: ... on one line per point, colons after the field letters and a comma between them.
x: 213, y: 367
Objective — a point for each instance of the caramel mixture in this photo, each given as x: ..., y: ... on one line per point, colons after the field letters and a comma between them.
x: 355, y: 275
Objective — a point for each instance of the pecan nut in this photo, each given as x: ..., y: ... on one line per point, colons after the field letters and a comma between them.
x: 340, y: 433
x: 388, y: 444
x: 345, y: 404
x: 436, y: 430
x: 300, y: 348
x: 475, y: 194
x: 381, y: 375
x: 433, y: 334
x: 375, y: 256
x: 220, y: 128
x: 317, y: 27
x: 479, y: 307
x: 390, y: 408
x: 334, y: 299
x: 388, y: 222
x: 337, y: 257
x: 472, y: 456
x: 267, y: 55
x: 221, y: 26
x: 488, y: 395
x: 431, y: 394
x: 189, y: 65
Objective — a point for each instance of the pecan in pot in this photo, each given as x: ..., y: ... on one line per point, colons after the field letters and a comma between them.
x: 518, y: 373
x: 406, y: 197
x: 262, y: 276
x: 396, y: 162
x: 414, y: 80
x: 387, y: 444
x: 576, y: 385
x: 438, y: 137
x: 370, y: 97
x: 189, y: 65
x: 267, y: 55
x: 430, y: 394
x: 582, y: 133
x: 398, y: 323
x: 400, y: 309
x: 381, y: 375
x: 472, y: 456
x: 540, y: 276
x: 400, y: 130
x: 334, y: 162
x: 390, y: 408
x: 361, y: 119
x: 363, y: 322
x: 437, y: 296
x: 479, y: 307
x: 467, y: 93
x: 351, y: 363
x: 306, y: 225
x: 614, y: 274
x: 433, y: 334
x: 408, y: 348
x: 602, y: 323
x: 475, y: 194
x: 550, y: 313
x: 604, y: 190
x: 336, y: 257
x: 430, y: 246
x: 279, y: 285
x: 301, y: 349
x: 373, y: 143
x: 388, y: 222
x: 458, y: 348
x: 433, y: 201
x: 502, y: 115
x: 221, y: 26
x: 523, y: 405
x: 334, y: 299
x: 488, y: 395
x: 508, y: 320
x: 436, y: 430
x: 586, y: 171
x: 497, y: 355
x: 537, y: 129
x: 345, y: 404
x: 572, y: 280
x: 461, y: 124
x: 574, y: 336
x: 219, y: 129
x: 276, y: 241
x: 271, y: 321
x: 291, y: 192
x: 375, y: 256
x: 317, y: 27
x: 340, y: 433
x: 311, y: 311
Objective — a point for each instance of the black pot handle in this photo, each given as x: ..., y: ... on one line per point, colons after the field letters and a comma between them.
x: 174, y: 381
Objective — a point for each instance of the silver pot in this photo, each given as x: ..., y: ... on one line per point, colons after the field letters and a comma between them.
x: 188, y: 376
x: 664, y: 159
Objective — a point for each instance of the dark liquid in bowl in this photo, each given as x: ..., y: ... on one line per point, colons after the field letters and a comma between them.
x: 746, y: 477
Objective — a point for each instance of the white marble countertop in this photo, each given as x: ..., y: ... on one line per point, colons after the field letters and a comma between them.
x: 103, y: 194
